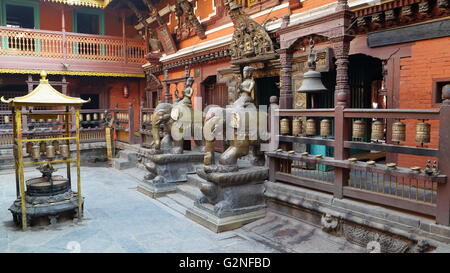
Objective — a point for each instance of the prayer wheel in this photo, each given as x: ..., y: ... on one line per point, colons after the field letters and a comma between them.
x: 64, y: 150
x: 50, y: 151
x: 6, y: 119
x: 56, y: 144
x: 81, y: 117
x: 423, y: 132
x: 311, y: 127
x: 325, y: 128
x: 398, y: 131
x: 35, y: 151
x: 284, y: 126
x: 88, y: 117
x: 95, y: 116
x: 42, y: 146
x: 102, y: 116
x: 359, y: 129
x: 28, y: 147
x: 297, y: 126
x: 377, y: 130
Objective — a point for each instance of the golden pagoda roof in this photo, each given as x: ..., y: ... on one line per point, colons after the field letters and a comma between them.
x: 87, y: 3
x: 44, y: 94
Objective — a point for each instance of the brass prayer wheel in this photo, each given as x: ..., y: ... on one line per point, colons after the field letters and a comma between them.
x: 311, y: 127
x: 50, y: 151
x: 102, y: 116
x: 64, y: 150
x: 423, y: 132
x: 359, y: 129
x: 377, y: 130
x: 56, y: 144
x: 296, y: 126
x: 42, y: 146
x: 28, y: 147
x: 398, y: 131
x: 95, y: 116
x: 325, y: 128
x: 81, y: 117
x: 284, y: 126
x: 35, y: 151
x: 6, y: 119
x: 88, y: 117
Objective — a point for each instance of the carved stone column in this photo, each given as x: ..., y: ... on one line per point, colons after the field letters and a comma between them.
x: 286, y: 96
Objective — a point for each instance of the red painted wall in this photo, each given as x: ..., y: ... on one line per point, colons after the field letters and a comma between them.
x: 430, y: 59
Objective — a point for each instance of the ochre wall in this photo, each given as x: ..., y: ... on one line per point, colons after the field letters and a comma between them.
x: 430, y: 59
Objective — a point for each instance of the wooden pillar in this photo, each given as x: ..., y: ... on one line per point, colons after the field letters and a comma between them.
x: 443, y: 189
x: 286, y: 96
x: 166, y: 87
x: 341, y: 47
x: 130, y: 123
x: 63, y: 29
x: 124, y: 38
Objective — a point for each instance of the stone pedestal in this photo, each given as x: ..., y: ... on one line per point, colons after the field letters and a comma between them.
x: 166, y: 171
x: 230, y: 200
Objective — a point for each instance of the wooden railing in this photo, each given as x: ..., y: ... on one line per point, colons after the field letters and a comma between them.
x: 124, y: 123
x: 424, y: 190
x: 145, y: 125
x: 70, y: 46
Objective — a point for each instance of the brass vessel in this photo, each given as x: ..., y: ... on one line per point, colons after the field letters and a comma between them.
x: 398, y: 131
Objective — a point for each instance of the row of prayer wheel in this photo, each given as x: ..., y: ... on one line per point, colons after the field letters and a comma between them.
x: 122, y: 116
x: 94, y: 116
x: 50, y: 150
x: 146, y: 118
x: 310, y: 130
x: 423, y: 129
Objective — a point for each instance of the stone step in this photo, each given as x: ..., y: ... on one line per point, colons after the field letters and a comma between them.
x: 122, y: 164
x: 194, y: 180
x: 128, y: 155
x: 172, y: 204
x: 190, y: 191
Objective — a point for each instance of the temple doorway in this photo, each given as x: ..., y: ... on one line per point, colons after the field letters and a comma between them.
x: 265, y: 88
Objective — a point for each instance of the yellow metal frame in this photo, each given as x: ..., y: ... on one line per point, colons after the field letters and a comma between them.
x: 19, y: 162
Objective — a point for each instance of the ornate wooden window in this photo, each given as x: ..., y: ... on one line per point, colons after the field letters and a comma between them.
x: 437, y: 90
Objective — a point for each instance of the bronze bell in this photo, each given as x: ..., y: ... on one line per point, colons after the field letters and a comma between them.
x: 398, y: 131
x: 325, y: 128
x: 312, y: 79
x: 50, y: 151
x: 64, y: 150
x: 423, y: 132
x: 311, y: 127
x: 35, y: 151
x: 359, y: 129
x: 297, y: 126
x: 377, y: 130
x: 284, y: 126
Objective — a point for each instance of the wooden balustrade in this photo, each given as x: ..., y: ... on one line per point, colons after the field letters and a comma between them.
x: 423, y: 190
x: 71, y: 46
x: 145, y: 125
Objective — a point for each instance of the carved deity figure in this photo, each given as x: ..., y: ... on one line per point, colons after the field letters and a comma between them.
x: 184, y: 8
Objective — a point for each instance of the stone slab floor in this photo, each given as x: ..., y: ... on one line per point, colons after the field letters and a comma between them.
x: 120, y: 219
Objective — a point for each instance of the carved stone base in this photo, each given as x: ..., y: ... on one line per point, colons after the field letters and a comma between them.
x: 222, y: 224
x: 229, y: 200
x: 166, y: 171
x: 51, y: 210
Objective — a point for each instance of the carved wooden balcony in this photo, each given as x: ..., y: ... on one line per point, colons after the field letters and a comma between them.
x: 69, y: 53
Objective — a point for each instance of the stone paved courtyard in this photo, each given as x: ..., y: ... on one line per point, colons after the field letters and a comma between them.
x: 120, y: 219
